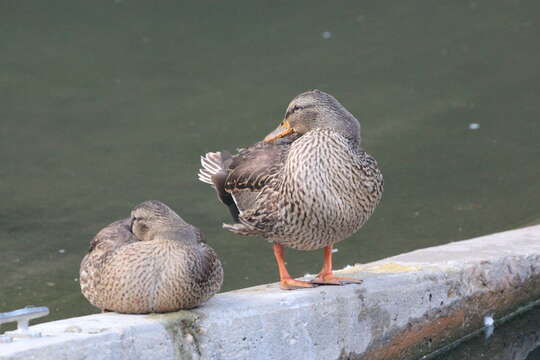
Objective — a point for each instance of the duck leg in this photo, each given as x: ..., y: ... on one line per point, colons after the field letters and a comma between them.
x: 286, y: 282
x: 326, y: 276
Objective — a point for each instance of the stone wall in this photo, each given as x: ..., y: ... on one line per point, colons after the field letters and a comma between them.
x: 408, y: 305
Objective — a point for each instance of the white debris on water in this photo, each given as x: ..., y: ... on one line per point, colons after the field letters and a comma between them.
x: 489, y: 324
x: 474, y: 126
x: 61, y: 251
x: 334, y: 250
x: 326, y: 35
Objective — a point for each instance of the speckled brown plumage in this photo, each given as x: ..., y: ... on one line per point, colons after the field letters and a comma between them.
x: 308, y: 185
x: 151, y: 262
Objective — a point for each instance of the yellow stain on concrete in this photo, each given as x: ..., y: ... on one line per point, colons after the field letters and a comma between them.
x: 380, y: 268
x: 392, y: 268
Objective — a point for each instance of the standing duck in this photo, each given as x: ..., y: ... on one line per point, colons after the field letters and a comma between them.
x: 153, y: 261
x: 307, y: 185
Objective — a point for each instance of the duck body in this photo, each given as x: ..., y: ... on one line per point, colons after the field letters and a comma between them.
x: 308, y: 185
x: 173, y: 270
x: 326, y: 190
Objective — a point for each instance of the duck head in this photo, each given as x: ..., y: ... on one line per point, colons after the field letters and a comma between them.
x: 153, y: 218
x: 316, y: 109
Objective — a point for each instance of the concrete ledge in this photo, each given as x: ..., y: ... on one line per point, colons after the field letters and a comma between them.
x: 408, y: 305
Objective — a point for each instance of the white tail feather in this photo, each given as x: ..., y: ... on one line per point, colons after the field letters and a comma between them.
x: 211, y: 165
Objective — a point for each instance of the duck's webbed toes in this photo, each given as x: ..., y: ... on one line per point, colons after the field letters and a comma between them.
x: 330, y: 279
x: 292, y: 284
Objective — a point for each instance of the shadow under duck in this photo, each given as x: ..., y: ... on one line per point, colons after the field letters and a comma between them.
x: 307, y: 185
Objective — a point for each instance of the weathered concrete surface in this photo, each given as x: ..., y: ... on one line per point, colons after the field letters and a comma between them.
x: 408, y: 305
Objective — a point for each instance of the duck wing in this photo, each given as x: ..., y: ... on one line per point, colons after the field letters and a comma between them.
x: 112, y: 237
x: 102, y: 247
x: 239, y: 179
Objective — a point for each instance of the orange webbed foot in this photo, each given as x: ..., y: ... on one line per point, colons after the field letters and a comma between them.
x: 330, y: 279
x: 292, y: 284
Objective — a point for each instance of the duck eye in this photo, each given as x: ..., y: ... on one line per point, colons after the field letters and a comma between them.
x: 293, y: 109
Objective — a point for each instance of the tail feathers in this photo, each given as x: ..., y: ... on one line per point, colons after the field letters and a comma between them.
x: 212, y: 164
x: 243, y: 227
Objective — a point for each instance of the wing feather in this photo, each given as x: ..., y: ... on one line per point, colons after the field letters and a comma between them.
x: 238, y: 179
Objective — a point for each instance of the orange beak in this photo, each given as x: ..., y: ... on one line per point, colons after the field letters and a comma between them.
x: 282, y: 130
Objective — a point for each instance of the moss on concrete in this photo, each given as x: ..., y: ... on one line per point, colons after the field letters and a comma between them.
x: 183, y: 327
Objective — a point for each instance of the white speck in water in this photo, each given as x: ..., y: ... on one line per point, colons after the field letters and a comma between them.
x: 50, y: 283
x: 335, y: 250
x: 326, y: 35
x: 76, y: 279
x: 489, y: 324
x: 61, y: 251
x: 474, y: 126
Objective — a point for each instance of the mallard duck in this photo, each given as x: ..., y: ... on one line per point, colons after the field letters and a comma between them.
x: 152, y: 262
x: 307, y: 185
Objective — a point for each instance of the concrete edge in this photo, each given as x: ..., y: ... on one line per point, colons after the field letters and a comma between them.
x: 409, y: 305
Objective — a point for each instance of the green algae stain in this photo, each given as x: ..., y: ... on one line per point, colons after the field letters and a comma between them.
x: 183, y: 327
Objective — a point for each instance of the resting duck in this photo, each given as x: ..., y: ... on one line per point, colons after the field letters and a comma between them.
x: 152, y: 262
x: 308, y: 185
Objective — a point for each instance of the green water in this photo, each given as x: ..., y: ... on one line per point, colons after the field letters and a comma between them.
x: 517, y: 339
x: 106, y: 104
